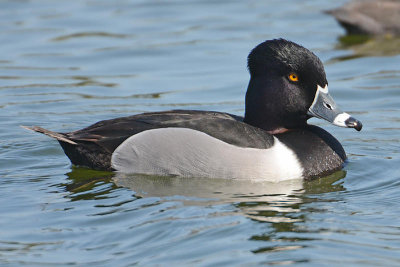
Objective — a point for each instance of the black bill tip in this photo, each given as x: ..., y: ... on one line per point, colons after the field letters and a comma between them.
x: 354, y: 123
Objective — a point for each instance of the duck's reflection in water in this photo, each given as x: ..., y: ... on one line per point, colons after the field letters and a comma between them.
x: 283, y: 208
x: 261, y: 201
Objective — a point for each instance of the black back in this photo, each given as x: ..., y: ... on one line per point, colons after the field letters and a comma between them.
x: 97, y: 142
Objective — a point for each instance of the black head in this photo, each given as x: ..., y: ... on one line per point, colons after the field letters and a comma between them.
x: 285, y: 81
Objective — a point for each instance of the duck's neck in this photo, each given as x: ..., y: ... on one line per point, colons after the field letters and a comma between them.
x: 265, y: 108
x: 269, y: 126
x: 260, y: 111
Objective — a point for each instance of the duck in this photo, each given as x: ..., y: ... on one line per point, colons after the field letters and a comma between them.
x: 369, y: 17
x: 271, y: 142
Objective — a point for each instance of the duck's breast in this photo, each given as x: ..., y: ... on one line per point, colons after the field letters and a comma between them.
x: 317, y: 150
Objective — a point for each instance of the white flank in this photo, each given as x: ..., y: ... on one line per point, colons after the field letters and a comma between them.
x: 340, y: 119
x: 190, y: 153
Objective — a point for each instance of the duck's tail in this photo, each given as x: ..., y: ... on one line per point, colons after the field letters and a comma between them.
x: 58, y: 136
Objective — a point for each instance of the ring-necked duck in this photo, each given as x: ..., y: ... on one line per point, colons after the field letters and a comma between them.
x: 272, y: 142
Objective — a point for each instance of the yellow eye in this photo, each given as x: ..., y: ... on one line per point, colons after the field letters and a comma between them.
x: 293, y: 77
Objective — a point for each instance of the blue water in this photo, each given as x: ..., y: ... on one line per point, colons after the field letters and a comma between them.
x: 67, y: 64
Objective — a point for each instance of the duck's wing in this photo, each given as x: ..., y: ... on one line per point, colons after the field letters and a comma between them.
x: 109, y: 134
x: 94, y: 146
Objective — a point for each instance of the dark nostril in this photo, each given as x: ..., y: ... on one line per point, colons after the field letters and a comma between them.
x: 328, y: 106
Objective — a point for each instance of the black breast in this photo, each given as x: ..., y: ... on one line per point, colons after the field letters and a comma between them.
x: 318, y: 151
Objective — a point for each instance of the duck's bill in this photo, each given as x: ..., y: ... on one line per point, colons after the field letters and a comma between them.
x: 324, y: 107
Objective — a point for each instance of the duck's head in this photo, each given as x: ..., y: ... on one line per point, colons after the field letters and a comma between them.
x: 287, y: 87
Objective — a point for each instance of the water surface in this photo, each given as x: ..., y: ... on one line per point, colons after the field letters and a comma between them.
x: 67, y: 64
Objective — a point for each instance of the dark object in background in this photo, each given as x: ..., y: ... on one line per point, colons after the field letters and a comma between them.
x: 370, y: 17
